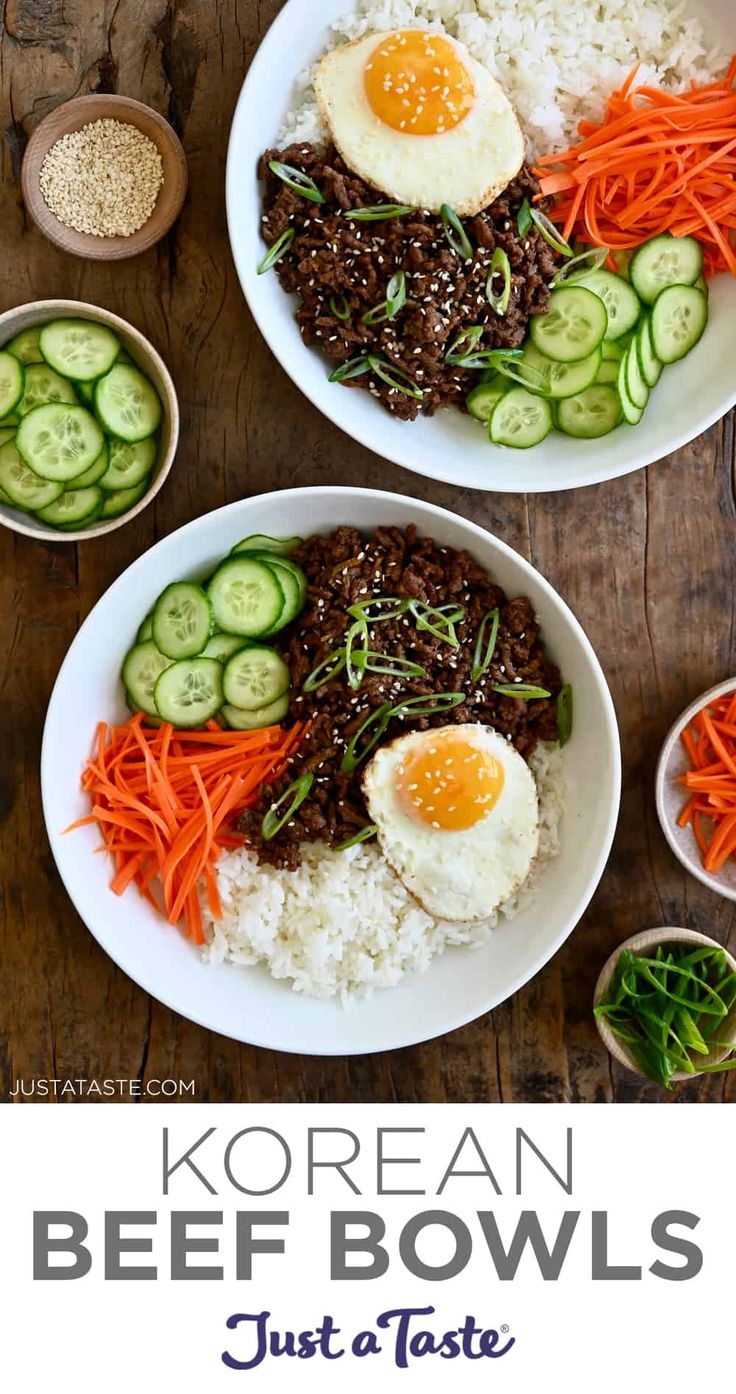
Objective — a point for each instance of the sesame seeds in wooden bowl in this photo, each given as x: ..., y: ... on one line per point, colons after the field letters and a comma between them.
x: 104, y: 177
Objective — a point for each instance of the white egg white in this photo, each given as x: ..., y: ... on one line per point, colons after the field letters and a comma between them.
x: 466, y: 167
x: 457, y: 875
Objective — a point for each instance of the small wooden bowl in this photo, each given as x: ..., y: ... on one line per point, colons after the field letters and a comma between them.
x: 646, y: 944
x: 72, y: 116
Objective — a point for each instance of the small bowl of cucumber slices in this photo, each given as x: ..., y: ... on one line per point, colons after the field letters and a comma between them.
x: 89, y: 421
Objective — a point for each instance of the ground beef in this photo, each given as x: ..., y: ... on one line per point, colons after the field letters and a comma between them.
x: 345, y: 568
x: 334, y: 256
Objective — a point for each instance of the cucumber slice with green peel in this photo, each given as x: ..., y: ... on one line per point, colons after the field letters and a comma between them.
x: 593, y: 413
x: 182, y: 620
x: 223, y: 646
x: 635, y: 381
x: 562, y: 379
x: 86, y: 392
x: 6, y: 434
x: 702, y: 284
x: 521, y: 419
x: 21, y: 485
x: 95, y: 472
x: 146, y: 630
x: 73, y: 508
x: 276, y: 546
x: 129, y: 463
x: 483, y: 398
x: 127, y: 404
x: 43, y: 385
x: 124, y: 500
x: 58, y: 441
x: 25, y: 346
x: 6, y: 500
x: 665, y: 261
x: 679, y: 317
x: 651, y: 366
x: 631, y: 412
x: 272, y: 715
x: 247, y: 597
x: 574, y: 325
x: 79, y: 349
x: 11, y: 382
x: 142, y: 668
x: 608, y: 372
x: 11, y: 421
x: 254, y: 678
x: 622, y: 303
x: 293, y: 583
x: 189, y: 693
x: 612, y: 349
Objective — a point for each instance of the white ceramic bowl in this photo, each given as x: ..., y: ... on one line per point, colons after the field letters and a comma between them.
x: 247, y: 1003
x: 148, y: 360
x: 690, y: 397
x: 671, y: 797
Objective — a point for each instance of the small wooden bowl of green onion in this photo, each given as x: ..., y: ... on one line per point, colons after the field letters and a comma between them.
x: 665, y: 1005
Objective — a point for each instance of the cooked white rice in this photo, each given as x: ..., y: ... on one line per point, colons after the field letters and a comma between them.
x: 343, y: 923
x: 557, y: 61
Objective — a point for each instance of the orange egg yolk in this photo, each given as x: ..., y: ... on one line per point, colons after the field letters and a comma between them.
x: 449, y: 784
x: 416, y: 82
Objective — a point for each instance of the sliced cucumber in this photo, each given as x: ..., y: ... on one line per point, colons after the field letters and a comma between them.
x: 73, y: 508
x: 223, y: 646
x: 43, y: 385
x: 123, y: 500
x: 146, y: 630
x: 679, y: 318
x: 58, y: 441
x: 142, y: 669
x: 702, y: 284
x: 651, y: 366
x: 6, y: 500
x: 247, y: 598
x: 190, y: 692
x: 95, y: 472
x: 665, y: 261
x: 574, y: 325
x: 276, y: 546
x: 622, y: 303
x: 608, y: 371
x: 182, y: 620
x: 77, y: 348
x: 11, y: 420
x: 22, y: 486
x: 25, y: 346
x: 562, y: 379
x: 129, y: 463
x: 293, y: 583
x: 635, y: 382
x: 613, y: 350
x: 86, y: 393
x: 255, y: 678
x: 11, y: 382
x: 6, y: 433
x: 593, y: 413
x: 239, y: 720
x: 127, y: 404
x: 483, y: 398
x: 631, y: 412
x: 520, y: 419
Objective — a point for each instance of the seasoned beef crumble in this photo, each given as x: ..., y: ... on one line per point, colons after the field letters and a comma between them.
x: 334, y: 256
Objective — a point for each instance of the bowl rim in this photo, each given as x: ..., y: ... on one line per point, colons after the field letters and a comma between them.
x: 691, y: 863
x: 650, y: 939
x: 440, y: 515
x: 80, y: 309
x: 289, y: 356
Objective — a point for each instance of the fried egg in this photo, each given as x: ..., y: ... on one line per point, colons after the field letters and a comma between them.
x: 457, y: 815
x: 415, y: 115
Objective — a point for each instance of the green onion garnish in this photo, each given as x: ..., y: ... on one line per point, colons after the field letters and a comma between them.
x: 277, y: 250
x: 580, y: 266
x: 521, y: 689
x: 377, y: 212
x: 455, y: 233
x: 485, y: 647
x: 381, y: 607
x: 500, y: 266
x: 459, y: 356
x: 325, y: 671
x: 297, y: 180
x: 395, y: 377
x: 550, y: 233
x: 340, y: 307
x: 356, y: 646
x: 524, y: 218
x: 464, y: 344
x: 525, y: 374
x: 395, y: 301
x: 363, y: 835
x: 439, y: 622
x: 430, y: 704
x: 564, y: 714
x: 354, y: 368
x: 293, y: 797
x: 393, y: 664
x: 359, y: 748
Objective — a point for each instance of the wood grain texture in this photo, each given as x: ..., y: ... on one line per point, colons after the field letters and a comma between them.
x: 647, y: 563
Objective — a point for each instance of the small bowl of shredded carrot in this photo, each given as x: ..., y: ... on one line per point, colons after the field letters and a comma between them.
x: 696, y: 788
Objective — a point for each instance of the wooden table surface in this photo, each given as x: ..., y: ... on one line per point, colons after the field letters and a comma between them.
x: 647, y: 563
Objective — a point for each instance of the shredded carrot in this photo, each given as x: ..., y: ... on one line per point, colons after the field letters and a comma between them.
x: 658, y: 162
x: 165, y: 802
x: 709, y: 741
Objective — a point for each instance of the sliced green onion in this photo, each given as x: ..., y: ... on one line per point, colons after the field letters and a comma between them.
x: 395, y: 301
x: 363, y: 835
x: 564, y: 715
x: 521, y: 689
x: 393, y: 664
x: 483, y: 358
x: 524, y: 218
x: 464, y: 344
x: 340, y: 307
x: 395, y: 377
x: 436, y: 621
x: 325, y: 671
x: 485, y: 647
x: 359, y: 748
x: 580, y: 266
x: 293, y: 797
x: 297, y: 180
x: 526, y: 375
x: 354, y: 368
x: 429, y: 704
x: 380, y: 607
x: 355, y: 653
x: 455, y: 233
x: 500, y: 266
x: 277, y: 250
x: 377, y: 212
x: 550, y: 233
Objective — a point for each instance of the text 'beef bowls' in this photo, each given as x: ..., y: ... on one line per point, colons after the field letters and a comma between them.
x: 514, y: 276
x: 350, y: 789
